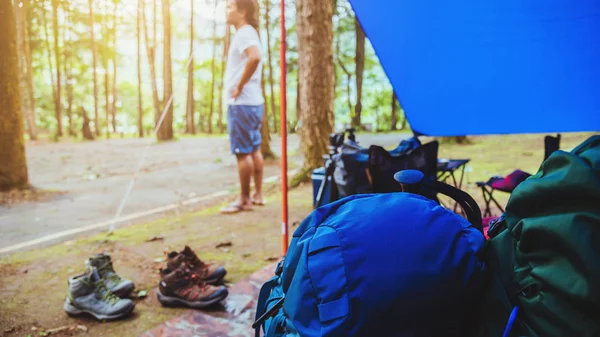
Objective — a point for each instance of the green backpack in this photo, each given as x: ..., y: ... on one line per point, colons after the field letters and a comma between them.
x: 543, y: 256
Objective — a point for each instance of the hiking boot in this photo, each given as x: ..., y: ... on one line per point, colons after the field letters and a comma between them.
x: 208, y: 273
x: 179, y: 287
x: 116, y: 284
x: 88, y: 294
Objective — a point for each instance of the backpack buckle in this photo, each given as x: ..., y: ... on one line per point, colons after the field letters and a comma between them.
x: 270, y: 313
x: 279, y: 268
x: 495, y: 226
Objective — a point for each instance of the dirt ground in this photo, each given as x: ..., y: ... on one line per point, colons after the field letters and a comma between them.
x: 82, y: 183
x: 33, y: 284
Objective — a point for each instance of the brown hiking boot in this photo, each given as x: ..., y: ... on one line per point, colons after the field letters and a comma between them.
x: 206, y: 272
x: 179, y: 288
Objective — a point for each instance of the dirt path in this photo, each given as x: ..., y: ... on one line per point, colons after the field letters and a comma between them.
x: 93, y: 177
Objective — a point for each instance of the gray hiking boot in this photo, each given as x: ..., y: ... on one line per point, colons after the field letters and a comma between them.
x: 88, y: 294
x: 116, y: 284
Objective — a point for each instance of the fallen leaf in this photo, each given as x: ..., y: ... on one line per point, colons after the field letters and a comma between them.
x: 142, y: 294
x: 224, y: 244
x: 272, y: 259
x: 155, y: 238
x: 82, y: 328
x: 9, y: 330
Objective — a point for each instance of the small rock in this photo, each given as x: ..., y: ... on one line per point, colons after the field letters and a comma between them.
x: 82, y: 328
x: 159, y: 259
x: 33, y: 328
x: 142, y: 294
x: 9, y: 330
x: 155, y: 238
x: 225, y: 250
x: 71, y: 271
x: 224, y: 244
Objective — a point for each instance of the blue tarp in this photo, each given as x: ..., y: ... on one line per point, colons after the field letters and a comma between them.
x: 468, y: 67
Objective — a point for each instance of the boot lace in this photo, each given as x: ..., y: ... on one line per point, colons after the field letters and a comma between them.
x: 105, y: 294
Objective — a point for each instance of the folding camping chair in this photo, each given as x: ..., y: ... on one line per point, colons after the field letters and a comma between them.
x: 510, y: 182
x: 383, y: 165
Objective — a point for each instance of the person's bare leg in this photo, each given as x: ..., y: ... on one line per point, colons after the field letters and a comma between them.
x: 245, y: 170
x: 259, y: 164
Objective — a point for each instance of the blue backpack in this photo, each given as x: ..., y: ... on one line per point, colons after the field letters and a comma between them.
x: 392, y: 264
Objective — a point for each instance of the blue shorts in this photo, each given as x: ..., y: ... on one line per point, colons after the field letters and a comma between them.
x: 243, y: 126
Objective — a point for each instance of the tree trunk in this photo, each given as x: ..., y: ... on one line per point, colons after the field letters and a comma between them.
x: 85, y: 128
x: 27, y: 42
x: 105, y: 37
x: 394, y: 111
x: 58, y: 71
x: 165, y: 132
x: 50, y: 63
x: 150, y: 52
x: 403, y: 120
x: 213, y: 71
x: 461, y: 140
x: 348, y: 87
x: 21, y: 56
x: 113, y: 109
x: 189, y: 114
x: 154, y: 20
x: 140, y: 124
x: 95, y: 69
x: 299, y: 28
x: 270, y: 66
x: 360, y: 68
x: 298, y: 111
x: 221, y: 112
x: 265, y: 145
x: 68, y: 69
x: 316, y: 72
x: 13, y: 163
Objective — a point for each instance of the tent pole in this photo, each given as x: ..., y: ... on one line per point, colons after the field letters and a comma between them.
x: 283, y: 129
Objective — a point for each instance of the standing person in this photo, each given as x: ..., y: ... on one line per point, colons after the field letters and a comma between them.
x: 245, y: 101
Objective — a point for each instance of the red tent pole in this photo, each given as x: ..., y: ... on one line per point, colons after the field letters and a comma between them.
x: 283, y: 129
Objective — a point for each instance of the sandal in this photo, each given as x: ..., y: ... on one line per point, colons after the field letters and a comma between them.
x: 262, y: 202
x: 235, y: 207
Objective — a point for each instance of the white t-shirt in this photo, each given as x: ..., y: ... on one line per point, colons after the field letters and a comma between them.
x: 245, y: 37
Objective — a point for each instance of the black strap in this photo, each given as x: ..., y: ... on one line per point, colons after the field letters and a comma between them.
x: 469, y: 205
